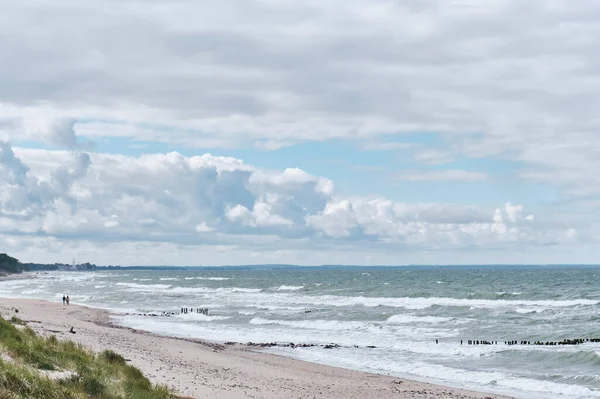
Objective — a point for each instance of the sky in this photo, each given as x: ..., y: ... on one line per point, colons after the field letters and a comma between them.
x: 316, y: 132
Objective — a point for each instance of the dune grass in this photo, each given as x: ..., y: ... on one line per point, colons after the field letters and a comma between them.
x: 105, y: 375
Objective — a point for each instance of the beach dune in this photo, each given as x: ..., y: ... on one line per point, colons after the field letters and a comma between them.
x: 202, y: 369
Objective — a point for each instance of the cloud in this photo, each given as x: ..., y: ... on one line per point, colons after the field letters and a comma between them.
x: 48, y: 127
x: 493, y: 79
x: 24, y: 195
x: 204, y: 228
x: 425, y: 225
x: 442, y: 175
x: 386, y: 146
x: 433, y: 157
x: 508, y: 80
x: 210, y: 200
x: 62, y: 133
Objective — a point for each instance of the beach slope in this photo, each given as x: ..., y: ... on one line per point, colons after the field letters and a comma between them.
x: 202, y: 369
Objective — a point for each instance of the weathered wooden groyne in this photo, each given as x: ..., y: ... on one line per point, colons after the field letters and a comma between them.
x: 576, y: 341
x: 294, y: 345
x: 203, y: 311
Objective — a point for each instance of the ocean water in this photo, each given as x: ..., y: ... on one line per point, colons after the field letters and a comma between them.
x: 400, y: 311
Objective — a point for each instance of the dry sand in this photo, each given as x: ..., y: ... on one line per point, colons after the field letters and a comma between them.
x: 201, y: 369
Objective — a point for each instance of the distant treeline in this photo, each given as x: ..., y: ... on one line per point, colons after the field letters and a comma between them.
x: 10, y: 265
x: 33, y: 267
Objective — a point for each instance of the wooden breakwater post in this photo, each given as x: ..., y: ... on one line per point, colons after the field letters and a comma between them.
x: 203, y: 311
x: 566, y: 341
x: 181, y: 311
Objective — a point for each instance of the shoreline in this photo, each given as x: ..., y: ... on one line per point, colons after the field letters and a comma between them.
x: 199, y: 368
x: 17, y: 276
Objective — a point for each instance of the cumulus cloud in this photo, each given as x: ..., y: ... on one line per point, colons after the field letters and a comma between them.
x: 428, y: 225
x: 47, y: 127
x: 24, y: 195
x: 211, y: 200
x: 62, y: 133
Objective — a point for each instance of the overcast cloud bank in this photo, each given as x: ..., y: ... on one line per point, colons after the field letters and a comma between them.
x: 504, y: 81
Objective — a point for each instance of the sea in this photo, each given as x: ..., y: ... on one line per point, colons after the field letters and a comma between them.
x: 386, y: 320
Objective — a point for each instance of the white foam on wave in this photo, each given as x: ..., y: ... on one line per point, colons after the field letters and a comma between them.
x: 76, y: 298
x: 500, y: 381
x: 290, y: 288
x: 280, y: 309
x: 493, y: 381
x: 143, y: 287
x: 238, y: 289
x: 169, y: 278
x: 109, y: 274
x: 423, y: 303
x: 445, y: 349
x: 190, y: 290
x: 239, y: 333
x: 319, y: 325
x: 73, y: 276
x: 33, y: 291
x: 527, y: 311
x: 316, y: 331
x: 258, y: 297
x: 213, y: 278
x: 200, y: 317
x: 221, y: 290
x: 205, y: 278
x: 410, y: 319
x: 143, y: 279
x: 246, y: 312
x: 12, y: 284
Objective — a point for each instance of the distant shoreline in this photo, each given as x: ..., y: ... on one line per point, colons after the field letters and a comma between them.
x: 17, y: 276
x: 305, y: 267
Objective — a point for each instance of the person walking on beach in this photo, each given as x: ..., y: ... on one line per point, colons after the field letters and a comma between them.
x: 64, y: 300
x: 68, y: 300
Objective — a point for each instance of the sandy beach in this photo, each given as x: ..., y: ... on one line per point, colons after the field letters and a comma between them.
x: 201, y: 369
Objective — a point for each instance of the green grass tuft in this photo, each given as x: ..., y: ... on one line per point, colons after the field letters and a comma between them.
x: 112, y: 357
x: 8, y: 331
x: 103, y: 376
x: 4, y: 394
x: 94, y: 387
x: 52, y: 340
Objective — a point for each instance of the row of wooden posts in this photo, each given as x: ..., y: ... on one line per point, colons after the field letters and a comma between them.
x: 576, y: 341
x: 203, y: 311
